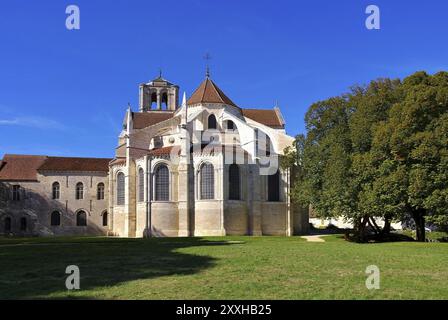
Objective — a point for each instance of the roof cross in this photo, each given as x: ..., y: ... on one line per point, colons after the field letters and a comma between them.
x: 207, y: 58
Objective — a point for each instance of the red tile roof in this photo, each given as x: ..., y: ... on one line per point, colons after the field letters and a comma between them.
x: 20, y: 167
x: 145, y: 119
x: 163, y: 151
x: 118, y: 161
x: 208, y: 92
x: 267, y: 117
x: 75, y: 164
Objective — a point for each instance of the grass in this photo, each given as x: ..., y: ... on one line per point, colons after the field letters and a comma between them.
x: 221, y: 268
x: 434, y: 235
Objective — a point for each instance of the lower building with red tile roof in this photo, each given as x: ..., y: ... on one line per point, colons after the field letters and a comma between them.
x: 47, y: 196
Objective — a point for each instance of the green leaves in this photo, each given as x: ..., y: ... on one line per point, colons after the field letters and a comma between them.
x: 380, y: 150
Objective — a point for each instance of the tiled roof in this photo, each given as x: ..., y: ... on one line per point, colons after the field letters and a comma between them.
x: 207, y: 148
x: 267, y: 117
x: 75, y: 164
x: 163, y: 151
x: 145, y: 119
x: 208, y: 92
x: 212, y: 148
x: 118, y: 161
x: 20, y: 167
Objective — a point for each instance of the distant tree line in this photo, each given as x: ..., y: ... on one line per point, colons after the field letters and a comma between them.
x: 378, y: 151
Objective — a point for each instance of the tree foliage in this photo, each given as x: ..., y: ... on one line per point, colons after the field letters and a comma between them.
x: 379, y: 151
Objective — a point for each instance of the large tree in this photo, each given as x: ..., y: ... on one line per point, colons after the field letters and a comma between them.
x: 410, y: 152
x: 378, y: 151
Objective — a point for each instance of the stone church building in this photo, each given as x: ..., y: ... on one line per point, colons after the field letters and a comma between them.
x: 202, y: 167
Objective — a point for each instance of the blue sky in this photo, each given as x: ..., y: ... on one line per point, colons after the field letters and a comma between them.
x: 65, y: 92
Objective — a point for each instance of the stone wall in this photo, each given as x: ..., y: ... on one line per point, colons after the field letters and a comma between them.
x: 36, y: 205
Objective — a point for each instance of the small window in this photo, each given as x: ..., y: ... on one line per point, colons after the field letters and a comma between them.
x: 79, y: 191
x: 100, y: 191
x: 212, y: 122
x: 141, y: 185
x: 81, y: 219
x: 23, y: 224
x: 55, y: 218
x: 105, y: 219
x: 207, y: 181
x: 230, y: 125
x: 234, y: 182
x: 7, y: 224
x: 16, y: 193
x: 274, y: 187
x: 120, y: 189
x: 56, y: 190
x: 162, y: 183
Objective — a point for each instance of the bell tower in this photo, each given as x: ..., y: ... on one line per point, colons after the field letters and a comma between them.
x: 158, y: 95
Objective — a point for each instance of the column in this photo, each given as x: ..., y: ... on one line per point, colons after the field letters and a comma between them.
x: 159, y: 104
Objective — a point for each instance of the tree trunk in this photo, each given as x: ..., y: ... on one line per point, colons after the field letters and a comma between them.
x: 419, y: 218
x: 360, y: 227
x: 375, y: 226
x: 386, y: 228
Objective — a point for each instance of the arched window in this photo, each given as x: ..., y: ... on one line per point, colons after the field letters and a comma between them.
x: 7, y: 224
x: 164, y: 101
x: 79, y: 191
x: 23, y: 224
x: 212, y: 122
x: 230, y: 125
x: 81, y: 219
x: 262, y: 143
x: 274, y: 187
x: 56, y: 190
x: 153, y: 102
x: 162, y: 183
x: 207, y: 181
x: 120, y: 189
x: 55, y: 218
x: 234, y: 182
x: 105, y: 218
x: 100, y: 191
x: 141, y: 185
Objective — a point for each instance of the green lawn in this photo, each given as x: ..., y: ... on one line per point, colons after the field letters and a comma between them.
x: 221, y: 268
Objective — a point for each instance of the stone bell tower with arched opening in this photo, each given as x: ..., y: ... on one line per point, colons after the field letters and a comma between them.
x: 158, y: 95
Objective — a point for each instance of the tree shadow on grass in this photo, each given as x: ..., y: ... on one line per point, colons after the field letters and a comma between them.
x: 37, y: 270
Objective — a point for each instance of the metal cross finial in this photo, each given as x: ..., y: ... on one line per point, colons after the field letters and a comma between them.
x: 207, y: 57
x: 160, y: 72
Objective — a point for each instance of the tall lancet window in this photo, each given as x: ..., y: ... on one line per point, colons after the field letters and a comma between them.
x: 212, y: 122
x: 274, y: 187
x: 79, y: 191
x: 141, y: 185
x: 162, y: 183
x: 234, y: 182
x: 207, y: 177
x: 100, y: 191
x: 120, y: 189
x: 56, y: 190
